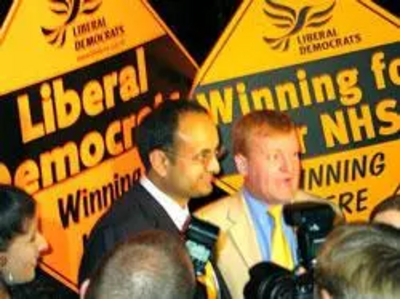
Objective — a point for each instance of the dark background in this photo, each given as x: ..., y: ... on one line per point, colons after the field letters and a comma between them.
x: 197, y: 24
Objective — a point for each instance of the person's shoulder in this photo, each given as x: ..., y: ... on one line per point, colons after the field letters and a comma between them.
x: 125, y: 208
x: 126, y: 216
x: 215, y: 206
x: 214, y: 210
x: 130, y: 200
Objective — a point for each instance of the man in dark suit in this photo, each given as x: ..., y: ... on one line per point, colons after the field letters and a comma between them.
x: 179, y: 146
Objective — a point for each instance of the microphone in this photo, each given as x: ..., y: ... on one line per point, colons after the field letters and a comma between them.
x: 313, y: 221
x: 304, y: 213
x: 201, y: 237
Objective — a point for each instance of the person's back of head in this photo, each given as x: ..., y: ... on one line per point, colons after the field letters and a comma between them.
x: 158, y: 128
x: 387, y: 211
x: 152, y: 264
x: 359, y: 261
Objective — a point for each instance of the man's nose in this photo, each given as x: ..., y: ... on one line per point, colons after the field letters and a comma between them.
x: 287, y: 164
x: 42, y: 243
x: 213, y: 166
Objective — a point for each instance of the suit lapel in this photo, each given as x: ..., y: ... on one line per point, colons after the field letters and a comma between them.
x: 242, y: 233
x: 155, y: 213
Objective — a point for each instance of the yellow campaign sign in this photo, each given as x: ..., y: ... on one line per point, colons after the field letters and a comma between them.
x: 77, y: 78
x: 339, y: 81
x: 264, y: 35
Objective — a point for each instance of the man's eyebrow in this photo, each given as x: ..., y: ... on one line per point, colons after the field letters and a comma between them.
x: 205, y: 151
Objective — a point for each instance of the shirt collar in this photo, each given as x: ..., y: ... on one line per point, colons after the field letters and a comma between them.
x: 174, y: 210
x: 255, y: 203
x: 258, y: 207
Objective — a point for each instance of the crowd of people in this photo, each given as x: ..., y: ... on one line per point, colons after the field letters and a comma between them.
x: 138, y: 248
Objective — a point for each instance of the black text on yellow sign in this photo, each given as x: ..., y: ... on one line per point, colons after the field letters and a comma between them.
x: 351, y: 100
x: 71, y: 123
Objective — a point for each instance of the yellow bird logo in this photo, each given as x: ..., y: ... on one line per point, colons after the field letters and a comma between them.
x: 294, y: 21
x: 69, y: 9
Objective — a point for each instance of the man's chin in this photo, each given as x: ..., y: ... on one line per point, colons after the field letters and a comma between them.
x: 285, y: 199
x: 206, y: 192
x: 201, y: 192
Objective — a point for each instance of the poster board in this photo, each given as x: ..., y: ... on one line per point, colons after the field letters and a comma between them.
x: 339, y: 81
x: 77, y: 78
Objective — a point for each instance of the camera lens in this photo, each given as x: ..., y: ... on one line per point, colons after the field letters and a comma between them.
x: 269, y: 280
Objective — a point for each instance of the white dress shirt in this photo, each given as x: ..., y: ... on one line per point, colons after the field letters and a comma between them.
x: 178, y: 214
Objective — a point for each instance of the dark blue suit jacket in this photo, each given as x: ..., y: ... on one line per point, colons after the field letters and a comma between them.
x: 135, y: 211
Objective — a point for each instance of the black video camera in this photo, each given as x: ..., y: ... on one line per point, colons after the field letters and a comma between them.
x: 312, y: 222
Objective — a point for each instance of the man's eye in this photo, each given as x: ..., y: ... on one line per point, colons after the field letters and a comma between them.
x: 33, y: 237
x: 204, y: 156
x: 272, y: 157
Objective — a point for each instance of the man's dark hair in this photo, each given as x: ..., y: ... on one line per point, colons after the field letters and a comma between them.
x: 151, y: 264
x: 391, y: 203
x: 16, y: 208
x: 157, y: 130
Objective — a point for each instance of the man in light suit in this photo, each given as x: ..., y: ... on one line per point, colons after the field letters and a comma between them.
x: 266, y: 153
x: 178, y: 144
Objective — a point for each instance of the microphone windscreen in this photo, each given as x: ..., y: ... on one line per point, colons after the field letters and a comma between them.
x: 300, y: 213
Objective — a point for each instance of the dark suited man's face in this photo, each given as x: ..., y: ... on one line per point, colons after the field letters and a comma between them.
x: 194, y: 161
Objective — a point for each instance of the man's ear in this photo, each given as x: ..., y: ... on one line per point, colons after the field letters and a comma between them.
x: 241, y: 164
x: 3, y: 259
x: 83, y: 289
x: 159, y: 162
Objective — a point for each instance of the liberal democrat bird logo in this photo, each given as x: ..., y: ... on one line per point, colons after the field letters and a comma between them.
x: 69, y: 9
x: 287, y: 18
